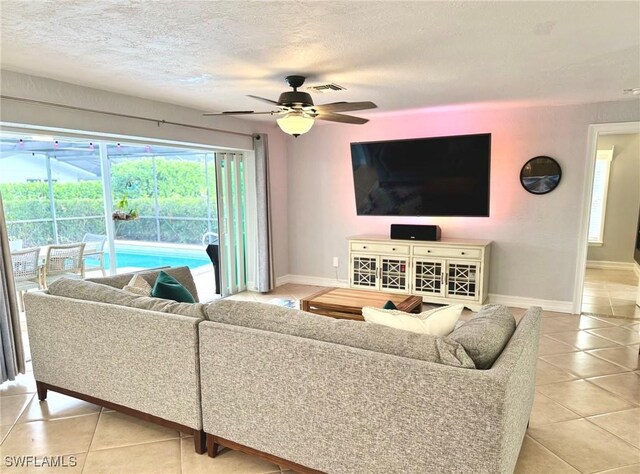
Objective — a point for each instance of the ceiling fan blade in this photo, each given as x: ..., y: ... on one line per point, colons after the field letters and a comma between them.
x: 344, y: 106
x: 331, y: 117
x: 268, y: 101
x: 242, y: 112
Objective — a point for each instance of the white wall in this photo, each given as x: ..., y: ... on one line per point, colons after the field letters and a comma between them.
x: 623, y: 199
x: 535, y: 236
x: 38, y: 88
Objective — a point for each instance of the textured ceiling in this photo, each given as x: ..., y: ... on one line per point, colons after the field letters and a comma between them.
x: 401, y: 55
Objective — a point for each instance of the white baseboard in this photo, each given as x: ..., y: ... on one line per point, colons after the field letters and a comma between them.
x: 282, y: 280
x: 636, y: 269
x: 310, y: 280
x: 514, y: 301
x: 525, y: 302
x: 605, y: 265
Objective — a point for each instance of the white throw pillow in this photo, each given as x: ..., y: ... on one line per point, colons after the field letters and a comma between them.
x: 139, y: 286
x: 437, y: 322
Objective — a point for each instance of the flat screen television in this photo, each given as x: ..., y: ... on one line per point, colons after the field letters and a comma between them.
x: 442, y: 176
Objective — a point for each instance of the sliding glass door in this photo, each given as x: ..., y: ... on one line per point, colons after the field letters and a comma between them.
x: 161, y: 200
x: 153, y: 205
x: 230, y: 169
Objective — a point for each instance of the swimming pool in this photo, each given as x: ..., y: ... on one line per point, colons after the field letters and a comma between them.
x: 140, y: 256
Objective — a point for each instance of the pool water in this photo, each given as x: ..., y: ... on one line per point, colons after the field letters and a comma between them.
x: 151, y: 257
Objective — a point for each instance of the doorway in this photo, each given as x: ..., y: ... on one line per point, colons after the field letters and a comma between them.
x: 607, y: 279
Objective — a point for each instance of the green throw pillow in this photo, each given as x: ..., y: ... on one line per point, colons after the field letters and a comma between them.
x: 389, y: 305
x: 169, y: 288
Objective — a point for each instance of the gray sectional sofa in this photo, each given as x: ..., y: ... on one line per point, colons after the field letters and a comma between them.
x: 89, y: 341
x: 305, y: 391
x: 346, y: 397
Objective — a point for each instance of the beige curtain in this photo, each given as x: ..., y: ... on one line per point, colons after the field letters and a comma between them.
x: 11, y: 350
x: 265, y: 277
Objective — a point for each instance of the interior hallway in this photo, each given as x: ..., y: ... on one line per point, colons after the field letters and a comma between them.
x: 610, y: 293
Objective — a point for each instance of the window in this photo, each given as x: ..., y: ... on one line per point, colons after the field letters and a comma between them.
x: 599, y: 196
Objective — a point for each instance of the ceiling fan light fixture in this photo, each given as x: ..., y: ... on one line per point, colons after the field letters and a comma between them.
x: 296, y: 123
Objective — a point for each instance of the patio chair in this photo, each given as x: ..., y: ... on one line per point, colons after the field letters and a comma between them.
x: 94, y: 249
x: 26, y: 271
x: 63, y: 261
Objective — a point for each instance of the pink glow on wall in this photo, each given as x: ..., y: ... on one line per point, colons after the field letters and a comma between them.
x: 531, y: 234
x: 455, y: 108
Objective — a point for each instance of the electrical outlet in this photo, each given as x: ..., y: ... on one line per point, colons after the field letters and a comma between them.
x: 336, y: 262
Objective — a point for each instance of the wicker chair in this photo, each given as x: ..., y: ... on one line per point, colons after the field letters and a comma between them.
x: 26, y: 271
x: 94, y: 249
x: 63, y: 261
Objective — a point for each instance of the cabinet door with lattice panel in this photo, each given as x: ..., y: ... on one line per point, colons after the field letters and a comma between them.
x: 394, y: 274
x: 462, y: 279
x: 363, y: 271
x: 428, y: 277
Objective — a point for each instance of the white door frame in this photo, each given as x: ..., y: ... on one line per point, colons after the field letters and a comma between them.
x: 595, y: 130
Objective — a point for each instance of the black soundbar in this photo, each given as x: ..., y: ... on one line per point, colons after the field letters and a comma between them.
x: 415, y: 232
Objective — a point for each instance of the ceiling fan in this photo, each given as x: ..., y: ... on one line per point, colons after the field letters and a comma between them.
x: 299, y: 112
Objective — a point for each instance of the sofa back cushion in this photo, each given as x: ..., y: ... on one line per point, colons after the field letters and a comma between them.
x: 182, y: 274
x: 357, y: 334
x: 91, y: 291
x: 486, y: 334
x: 194, y: 310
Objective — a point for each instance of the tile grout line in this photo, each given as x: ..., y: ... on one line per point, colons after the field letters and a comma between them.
x: 84, y: 466
x: 595, y: 414
x: 551, y: 451
x: 134, y: 444
x: 634, y: 404
x: 586, y: 349
x: 610, y: 361
x: 609, y: 391
x: 15, y: 422
x: 180, y: 452
x: 590, y: 376
x: 578, y: 415
x: 613, y: 434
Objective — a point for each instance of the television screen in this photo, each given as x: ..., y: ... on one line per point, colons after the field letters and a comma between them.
x: 443, y: 176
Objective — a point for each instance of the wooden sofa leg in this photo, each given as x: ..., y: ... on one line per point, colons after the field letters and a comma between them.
x: 200, y: 441
x: 212, y: 446
x: 42, y: 391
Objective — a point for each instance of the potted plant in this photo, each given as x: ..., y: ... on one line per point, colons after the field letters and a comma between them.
x: 123, y: 212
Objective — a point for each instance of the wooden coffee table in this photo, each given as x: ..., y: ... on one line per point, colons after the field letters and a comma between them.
x: 345, y: 303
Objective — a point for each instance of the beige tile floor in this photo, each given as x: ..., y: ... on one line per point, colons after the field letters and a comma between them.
x: 586, y: 413
x: 610, y: 293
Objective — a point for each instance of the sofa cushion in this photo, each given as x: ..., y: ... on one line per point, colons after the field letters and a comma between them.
x: 194, y: 310
x: 91, y: 291
x: 182, y: 274
x: 169, y: 288
x: 486, y: 334
x: 437, y: 322
x: 372, y: 337
x: 138, y: 286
